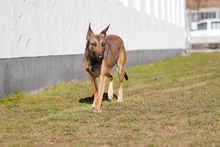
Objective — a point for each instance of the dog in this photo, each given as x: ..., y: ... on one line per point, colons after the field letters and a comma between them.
x: 102, y: 52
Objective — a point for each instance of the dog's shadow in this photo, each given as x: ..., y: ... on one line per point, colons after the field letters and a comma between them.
x: 89, y: 100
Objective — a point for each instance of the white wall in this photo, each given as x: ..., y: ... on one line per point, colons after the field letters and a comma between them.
x: 30, y: 28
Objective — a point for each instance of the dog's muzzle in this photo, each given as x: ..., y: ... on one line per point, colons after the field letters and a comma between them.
x: 99, y: 58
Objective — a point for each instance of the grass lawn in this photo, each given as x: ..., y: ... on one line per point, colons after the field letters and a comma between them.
x: 174, y: 102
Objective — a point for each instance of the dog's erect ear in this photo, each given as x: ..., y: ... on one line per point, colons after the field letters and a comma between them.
x: 104, y: 31
x: 89, y: 33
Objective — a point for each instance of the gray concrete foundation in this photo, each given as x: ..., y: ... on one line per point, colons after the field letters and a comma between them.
x: 35, y: 73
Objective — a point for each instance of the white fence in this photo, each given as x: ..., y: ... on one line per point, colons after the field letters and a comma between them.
x: 30, y: 28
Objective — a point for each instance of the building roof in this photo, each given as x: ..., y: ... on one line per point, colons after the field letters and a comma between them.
x: 191, y: 4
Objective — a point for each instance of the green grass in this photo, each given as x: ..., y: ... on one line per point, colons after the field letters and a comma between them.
x: 174, y: 102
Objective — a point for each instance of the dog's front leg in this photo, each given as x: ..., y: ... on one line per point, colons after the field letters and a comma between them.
x: 101, y: 90
x: 94, y: 86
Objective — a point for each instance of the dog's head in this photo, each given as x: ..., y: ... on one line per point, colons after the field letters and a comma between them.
x: 97, y: 43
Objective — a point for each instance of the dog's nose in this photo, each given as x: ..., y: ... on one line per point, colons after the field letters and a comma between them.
x: 100, y: 57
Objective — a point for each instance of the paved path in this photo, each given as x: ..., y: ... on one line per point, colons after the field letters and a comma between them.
x: 205, y: 50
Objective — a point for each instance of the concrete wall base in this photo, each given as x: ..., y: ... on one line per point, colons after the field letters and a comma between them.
x: 35, y: 73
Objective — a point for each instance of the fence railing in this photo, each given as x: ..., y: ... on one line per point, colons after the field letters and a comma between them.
x: 196, y: 15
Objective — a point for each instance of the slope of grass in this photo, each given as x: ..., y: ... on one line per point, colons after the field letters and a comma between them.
x: 174, y: 102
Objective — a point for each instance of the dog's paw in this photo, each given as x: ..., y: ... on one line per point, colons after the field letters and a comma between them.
x: 97, y: 111
x: 110, y: 96
x: 119, y: 100
x: 90, y: 67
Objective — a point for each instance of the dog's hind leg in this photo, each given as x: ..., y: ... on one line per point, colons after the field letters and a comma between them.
x: 110, y: 88
x: 121, y: 73
x: 121, y: 85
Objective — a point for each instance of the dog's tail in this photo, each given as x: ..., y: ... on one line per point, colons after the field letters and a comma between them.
x: 126, y: 76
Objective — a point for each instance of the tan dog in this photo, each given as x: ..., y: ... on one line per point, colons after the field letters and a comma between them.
x: 102, y: 52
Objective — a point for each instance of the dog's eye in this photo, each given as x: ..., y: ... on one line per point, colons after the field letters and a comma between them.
x: 103, y: 44
x: 93, y: 44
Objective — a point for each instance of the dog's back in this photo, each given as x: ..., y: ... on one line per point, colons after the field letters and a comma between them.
x: 114, y: 40
x: 115, y: 45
